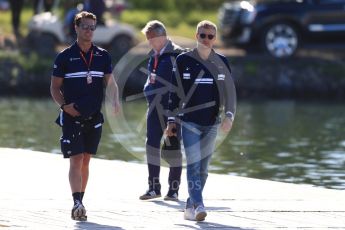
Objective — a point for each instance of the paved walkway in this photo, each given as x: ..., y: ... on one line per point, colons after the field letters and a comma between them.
x: 35, y: 194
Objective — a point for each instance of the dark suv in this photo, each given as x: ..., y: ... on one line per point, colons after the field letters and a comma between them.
x: 281, y: 26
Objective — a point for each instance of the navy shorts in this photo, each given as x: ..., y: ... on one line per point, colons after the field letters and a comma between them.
x: 80, y: 135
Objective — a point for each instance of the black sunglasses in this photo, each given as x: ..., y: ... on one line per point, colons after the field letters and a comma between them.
x: 209, y: 36
x: 88, y: 27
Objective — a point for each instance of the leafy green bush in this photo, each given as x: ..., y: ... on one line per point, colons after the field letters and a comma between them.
x: 192, y: 18
x: 177, y: 22
x: 182, y: 6
x: 24, y: 75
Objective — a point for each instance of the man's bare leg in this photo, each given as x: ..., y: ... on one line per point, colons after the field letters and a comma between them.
x: 75, y: 179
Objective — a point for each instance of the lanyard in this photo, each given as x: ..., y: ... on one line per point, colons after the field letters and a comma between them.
x: 155, y: 64
x: 88, y: 64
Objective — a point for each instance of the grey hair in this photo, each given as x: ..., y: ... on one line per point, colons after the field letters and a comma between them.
x: 155, y: 27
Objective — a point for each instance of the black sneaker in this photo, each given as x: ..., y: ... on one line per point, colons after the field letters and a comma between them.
x: 173, y: 196
x: 150, y: 194
x: 78, y: 212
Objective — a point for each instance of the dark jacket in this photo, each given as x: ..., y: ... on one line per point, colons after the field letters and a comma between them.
x: 204, y: 88
x: 160, y: 89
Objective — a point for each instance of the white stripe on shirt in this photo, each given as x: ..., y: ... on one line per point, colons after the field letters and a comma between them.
x: 204, y: 81
x: 83, y: 74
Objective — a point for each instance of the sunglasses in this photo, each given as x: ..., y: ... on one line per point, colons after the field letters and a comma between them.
x: 209, y: 36
x: 88, y: 27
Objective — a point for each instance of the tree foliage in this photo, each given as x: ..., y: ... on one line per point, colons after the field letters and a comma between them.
x: 180, y: 5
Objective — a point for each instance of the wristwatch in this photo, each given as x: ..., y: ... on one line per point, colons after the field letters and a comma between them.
x: 230, y: 115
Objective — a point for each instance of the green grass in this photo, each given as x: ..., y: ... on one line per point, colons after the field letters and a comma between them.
x: 35, y: 65
x: 5, y: 21
x: 177, y: 24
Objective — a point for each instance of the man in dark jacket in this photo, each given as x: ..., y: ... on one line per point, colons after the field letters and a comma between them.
x: 204, y: 87
x: 162, y: 57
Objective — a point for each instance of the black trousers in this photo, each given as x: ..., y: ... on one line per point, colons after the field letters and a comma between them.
x: 47, y: 4
x: 16, y: 9
x: 154, y: 133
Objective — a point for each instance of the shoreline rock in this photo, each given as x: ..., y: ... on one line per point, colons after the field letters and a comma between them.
x: 256, y: 76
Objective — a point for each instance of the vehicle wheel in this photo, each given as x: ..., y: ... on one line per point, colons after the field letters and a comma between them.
x: 119, y: 46
x: 280, y: 40
x: 43, y: 44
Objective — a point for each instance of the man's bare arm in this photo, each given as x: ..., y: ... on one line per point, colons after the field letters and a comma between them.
x: 55, y: 86
x: 55, y: 91
x: 112, y: 92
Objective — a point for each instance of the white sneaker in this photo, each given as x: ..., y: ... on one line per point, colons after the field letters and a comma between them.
x: 200, y: 213
x: 189, y: 214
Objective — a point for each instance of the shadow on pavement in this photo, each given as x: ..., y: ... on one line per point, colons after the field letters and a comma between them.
x: 90, y: 225
x: 171, y: 204
x: 210, y: 225
x: 182, y: 204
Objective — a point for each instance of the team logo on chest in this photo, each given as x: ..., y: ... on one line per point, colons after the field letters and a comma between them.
x: 221, y: 77
x: 74, y: 59
x: 97, y: 54
x: 186, y: 76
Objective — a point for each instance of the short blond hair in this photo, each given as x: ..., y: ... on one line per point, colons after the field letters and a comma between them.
x: 156, y: 27
x: 207, y: 25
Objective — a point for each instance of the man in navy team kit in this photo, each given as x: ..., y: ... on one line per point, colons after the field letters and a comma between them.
x: 80, y: 74
x: 162, y: 57
x: 204, y: 88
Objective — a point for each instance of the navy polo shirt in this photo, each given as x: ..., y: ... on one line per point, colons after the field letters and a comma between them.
x: 203, y: 88
x: 70, y: 66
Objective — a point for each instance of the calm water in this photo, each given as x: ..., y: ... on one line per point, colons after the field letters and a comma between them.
x: 277, y: 140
